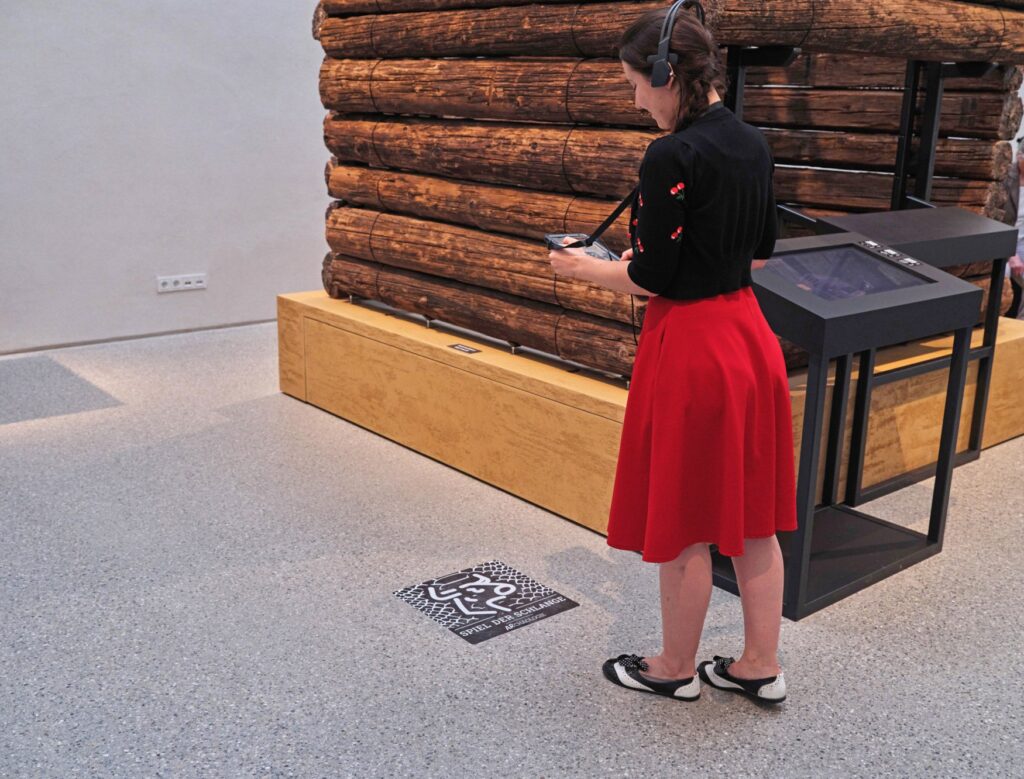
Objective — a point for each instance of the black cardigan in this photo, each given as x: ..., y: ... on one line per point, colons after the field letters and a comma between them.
x: 704, y: 209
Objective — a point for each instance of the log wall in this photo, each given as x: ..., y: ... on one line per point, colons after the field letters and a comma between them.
x: 923, y: 29
x: 447, y: 169
x: 596, y: 341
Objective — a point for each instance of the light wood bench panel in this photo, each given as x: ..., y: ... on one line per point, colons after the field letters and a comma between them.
x: 549, y: 435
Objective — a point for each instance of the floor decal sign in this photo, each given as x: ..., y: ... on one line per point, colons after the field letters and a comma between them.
x: 485, y: 601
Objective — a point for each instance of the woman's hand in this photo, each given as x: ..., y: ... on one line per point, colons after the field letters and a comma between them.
x: 567, y: 262
x: 626, y: 256
x: 1016, y: 265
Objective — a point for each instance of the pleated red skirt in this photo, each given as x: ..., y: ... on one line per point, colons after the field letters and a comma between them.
x: 706, y: 453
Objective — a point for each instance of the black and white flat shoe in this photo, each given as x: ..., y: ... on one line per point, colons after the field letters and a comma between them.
x: 716, y: 673
x: 624, y: 671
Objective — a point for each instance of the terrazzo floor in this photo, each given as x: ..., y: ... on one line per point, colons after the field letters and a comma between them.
x: 197, y: 576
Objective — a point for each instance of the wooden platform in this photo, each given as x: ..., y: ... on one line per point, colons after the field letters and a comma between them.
x: 549, y: 435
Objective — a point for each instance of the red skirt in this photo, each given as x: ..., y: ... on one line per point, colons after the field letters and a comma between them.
x: 706, y: 453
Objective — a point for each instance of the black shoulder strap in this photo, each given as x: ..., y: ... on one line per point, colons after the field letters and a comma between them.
x: 611, y: 218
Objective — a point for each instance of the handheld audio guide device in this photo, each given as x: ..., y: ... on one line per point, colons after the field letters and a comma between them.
x: 590, y: 244
x: 595, y: 248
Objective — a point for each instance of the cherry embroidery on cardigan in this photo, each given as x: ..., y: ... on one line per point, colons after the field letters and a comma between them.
x: 640, y: 244
x: 640, y: 196
x: 679, y: 191
x: 677, y: 234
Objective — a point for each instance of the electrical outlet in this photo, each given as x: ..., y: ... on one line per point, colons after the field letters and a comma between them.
x: 181, y: 283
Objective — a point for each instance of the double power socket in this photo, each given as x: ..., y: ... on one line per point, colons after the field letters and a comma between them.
x: 181, y: 283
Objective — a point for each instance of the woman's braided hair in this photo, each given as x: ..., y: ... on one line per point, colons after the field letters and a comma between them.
x: 700, y: 66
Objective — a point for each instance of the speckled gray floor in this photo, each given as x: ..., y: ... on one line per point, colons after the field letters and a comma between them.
x: 197, y: 581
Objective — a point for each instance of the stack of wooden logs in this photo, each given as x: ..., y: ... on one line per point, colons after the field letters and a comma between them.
x: 462, y: 131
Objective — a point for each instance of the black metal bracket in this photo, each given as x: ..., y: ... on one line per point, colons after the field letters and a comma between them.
x: 739, y: 59
x: 967, y: 69
x: 742, y: 57
x: 794, y: 215
x: 922, y: 161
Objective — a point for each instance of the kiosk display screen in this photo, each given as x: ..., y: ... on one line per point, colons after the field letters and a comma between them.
x: 839, y: 272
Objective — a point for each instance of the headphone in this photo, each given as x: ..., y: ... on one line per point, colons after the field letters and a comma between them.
x: 660, y: 61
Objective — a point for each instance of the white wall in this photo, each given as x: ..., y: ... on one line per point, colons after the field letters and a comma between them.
x: 154, y: 137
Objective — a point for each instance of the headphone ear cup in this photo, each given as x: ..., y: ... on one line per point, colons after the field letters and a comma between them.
x: 660, y: 73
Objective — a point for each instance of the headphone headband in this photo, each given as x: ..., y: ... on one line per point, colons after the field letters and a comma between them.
x: 661, y: 70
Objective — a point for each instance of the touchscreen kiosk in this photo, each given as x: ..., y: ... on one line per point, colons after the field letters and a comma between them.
x: 840, y: 297
x: 841, y: 293
x: 839, y: 272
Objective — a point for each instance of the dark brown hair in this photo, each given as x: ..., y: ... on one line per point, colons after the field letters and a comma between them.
x: 700, y: 66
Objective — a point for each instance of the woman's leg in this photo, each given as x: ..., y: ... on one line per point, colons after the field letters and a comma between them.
x: 685, y: 593
x: 759, y: 574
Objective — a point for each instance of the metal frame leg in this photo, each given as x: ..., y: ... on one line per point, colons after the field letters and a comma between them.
x: 929, y: 131
x: 995, y: 299
x: 836, y: 428
x: 799, y: 541
x: 950, y: 426
x: 906, y: 134
x: 737, y: 71
x: 859, y: 433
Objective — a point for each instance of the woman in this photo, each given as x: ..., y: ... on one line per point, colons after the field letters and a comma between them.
x: 706, y: 451
x: 1015, y: 265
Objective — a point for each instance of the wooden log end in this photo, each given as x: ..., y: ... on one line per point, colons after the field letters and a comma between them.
x: 327, y: 278
x: 328, y: 167
x: 331, y: 206
x: 1014, y: 78
x: 1011, y: 117
x: 319, y: 14
x: 344, y: 275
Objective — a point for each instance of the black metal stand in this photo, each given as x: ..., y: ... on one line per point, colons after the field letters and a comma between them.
x: 837, y: 550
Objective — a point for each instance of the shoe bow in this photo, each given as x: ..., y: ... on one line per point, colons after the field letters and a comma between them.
x: 632, y: 662
x: 722, y: 664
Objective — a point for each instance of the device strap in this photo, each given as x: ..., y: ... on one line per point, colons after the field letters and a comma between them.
x: 611, y: 218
